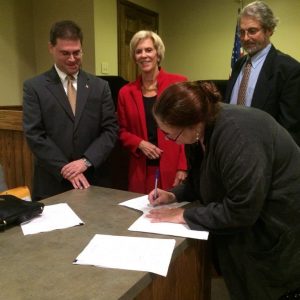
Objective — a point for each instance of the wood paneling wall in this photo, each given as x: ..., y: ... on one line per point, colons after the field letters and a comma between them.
x: 15, y: 155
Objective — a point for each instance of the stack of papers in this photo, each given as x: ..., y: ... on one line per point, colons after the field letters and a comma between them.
x: 56, y: 216
x: 143, y: 224
x: 140, y: 254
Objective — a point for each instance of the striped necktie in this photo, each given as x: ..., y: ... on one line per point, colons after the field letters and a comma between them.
x: 71, y: 93
x: 244, y: 83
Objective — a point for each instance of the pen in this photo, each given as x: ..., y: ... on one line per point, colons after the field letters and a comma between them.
x: 156, y: 182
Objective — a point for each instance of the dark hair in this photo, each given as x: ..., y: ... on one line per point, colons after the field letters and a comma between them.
x: 67, y: 30
x: 186, y: 104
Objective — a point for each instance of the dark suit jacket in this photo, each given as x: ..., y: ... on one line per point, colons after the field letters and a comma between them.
x: 56, y: 137
x: 277, y: 89
x: 248, y: 184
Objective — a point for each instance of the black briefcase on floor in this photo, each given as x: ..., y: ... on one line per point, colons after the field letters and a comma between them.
x: 14, y: 211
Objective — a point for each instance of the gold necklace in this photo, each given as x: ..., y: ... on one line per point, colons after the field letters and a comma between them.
x: 152, y: 87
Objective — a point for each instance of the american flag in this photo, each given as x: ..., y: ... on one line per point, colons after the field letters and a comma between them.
x: 237, y: 50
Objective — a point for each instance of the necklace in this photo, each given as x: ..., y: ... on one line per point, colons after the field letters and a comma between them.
x: 151, y: 87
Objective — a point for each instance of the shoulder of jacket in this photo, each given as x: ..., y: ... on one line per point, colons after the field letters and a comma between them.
x: 46, y: 76
x: 286, y: 58
x: 130, y: 86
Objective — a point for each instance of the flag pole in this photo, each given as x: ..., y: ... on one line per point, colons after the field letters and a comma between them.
x: 237, y: 49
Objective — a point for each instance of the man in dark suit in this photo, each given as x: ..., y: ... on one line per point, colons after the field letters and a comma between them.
x: 69, y: 119
x: 274, y: 82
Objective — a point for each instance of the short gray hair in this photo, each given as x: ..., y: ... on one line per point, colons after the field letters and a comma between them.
x: 157, y: 42
x: 262, y: 13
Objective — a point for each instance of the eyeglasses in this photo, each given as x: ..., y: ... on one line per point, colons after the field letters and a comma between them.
x: 170, y: 138
x: 75, y: 54
x: 250, y: 31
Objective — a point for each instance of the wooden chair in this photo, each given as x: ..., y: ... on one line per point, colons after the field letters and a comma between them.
x: 15, y: 155
x: 3, y: 185
x: 21, y: 192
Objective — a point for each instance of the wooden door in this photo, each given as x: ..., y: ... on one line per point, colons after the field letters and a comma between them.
x: 131, y: 18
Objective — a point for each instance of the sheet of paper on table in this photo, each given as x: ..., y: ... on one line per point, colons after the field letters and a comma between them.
x: 137, y: 253
x: 56, y: 216
x: 142, y: 204
x: 143, y: 224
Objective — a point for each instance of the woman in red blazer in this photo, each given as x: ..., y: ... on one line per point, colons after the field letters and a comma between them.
x: 150, y: 150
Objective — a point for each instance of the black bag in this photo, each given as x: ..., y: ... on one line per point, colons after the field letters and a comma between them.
x: 14, y: 211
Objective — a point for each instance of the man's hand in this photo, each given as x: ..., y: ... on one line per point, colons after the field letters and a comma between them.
x: 79, y: 182
x: 72, y: 169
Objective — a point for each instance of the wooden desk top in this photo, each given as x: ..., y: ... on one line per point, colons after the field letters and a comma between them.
x: 40, y: 266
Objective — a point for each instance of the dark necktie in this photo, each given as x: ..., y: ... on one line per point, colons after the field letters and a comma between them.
x: 71, y: 92
x: 244, y: 83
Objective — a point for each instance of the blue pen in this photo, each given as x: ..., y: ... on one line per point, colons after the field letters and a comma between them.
x: 156, y: 182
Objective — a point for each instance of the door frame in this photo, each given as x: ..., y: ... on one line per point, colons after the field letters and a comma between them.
x: 134, y: 7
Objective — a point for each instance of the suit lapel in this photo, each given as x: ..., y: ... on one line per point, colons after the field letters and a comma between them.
x: 56, y: 88
x: 261, y: 91
x: 235, y: 73
x: 83, y: 90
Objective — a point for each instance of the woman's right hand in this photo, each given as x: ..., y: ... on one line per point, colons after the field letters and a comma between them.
x: 150, y: 150
x: 158, y: 197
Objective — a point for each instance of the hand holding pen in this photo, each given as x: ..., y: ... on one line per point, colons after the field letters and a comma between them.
x: 160, y: 197
x: 173, y: 215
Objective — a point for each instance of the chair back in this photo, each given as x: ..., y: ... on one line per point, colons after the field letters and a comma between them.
x: 3, y: 185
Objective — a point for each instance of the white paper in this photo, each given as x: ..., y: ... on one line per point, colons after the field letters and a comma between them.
x: 129, y: 253
x: 56, y: 216
x: 143, y: 224
x: 142, y: 204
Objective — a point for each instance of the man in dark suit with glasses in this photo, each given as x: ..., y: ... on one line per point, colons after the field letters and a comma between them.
x: 69, y: 119
x: 273, y: 82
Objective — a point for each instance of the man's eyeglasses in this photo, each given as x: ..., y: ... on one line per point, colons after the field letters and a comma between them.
x: 75, y: 54
x: 250, y: 31
x: 170, y: 138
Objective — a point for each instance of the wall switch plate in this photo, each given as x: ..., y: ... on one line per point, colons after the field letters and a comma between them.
x: 104, y: 68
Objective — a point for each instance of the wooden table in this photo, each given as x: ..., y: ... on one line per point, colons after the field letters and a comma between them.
x: 40, y: 266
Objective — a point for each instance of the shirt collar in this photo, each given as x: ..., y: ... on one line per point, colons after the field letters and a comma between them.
x: 62, y: 75
x: 261, y: 55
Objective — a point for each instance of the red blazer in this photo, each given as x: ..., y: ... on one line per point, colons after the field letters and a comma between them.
x: 132, y: 123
